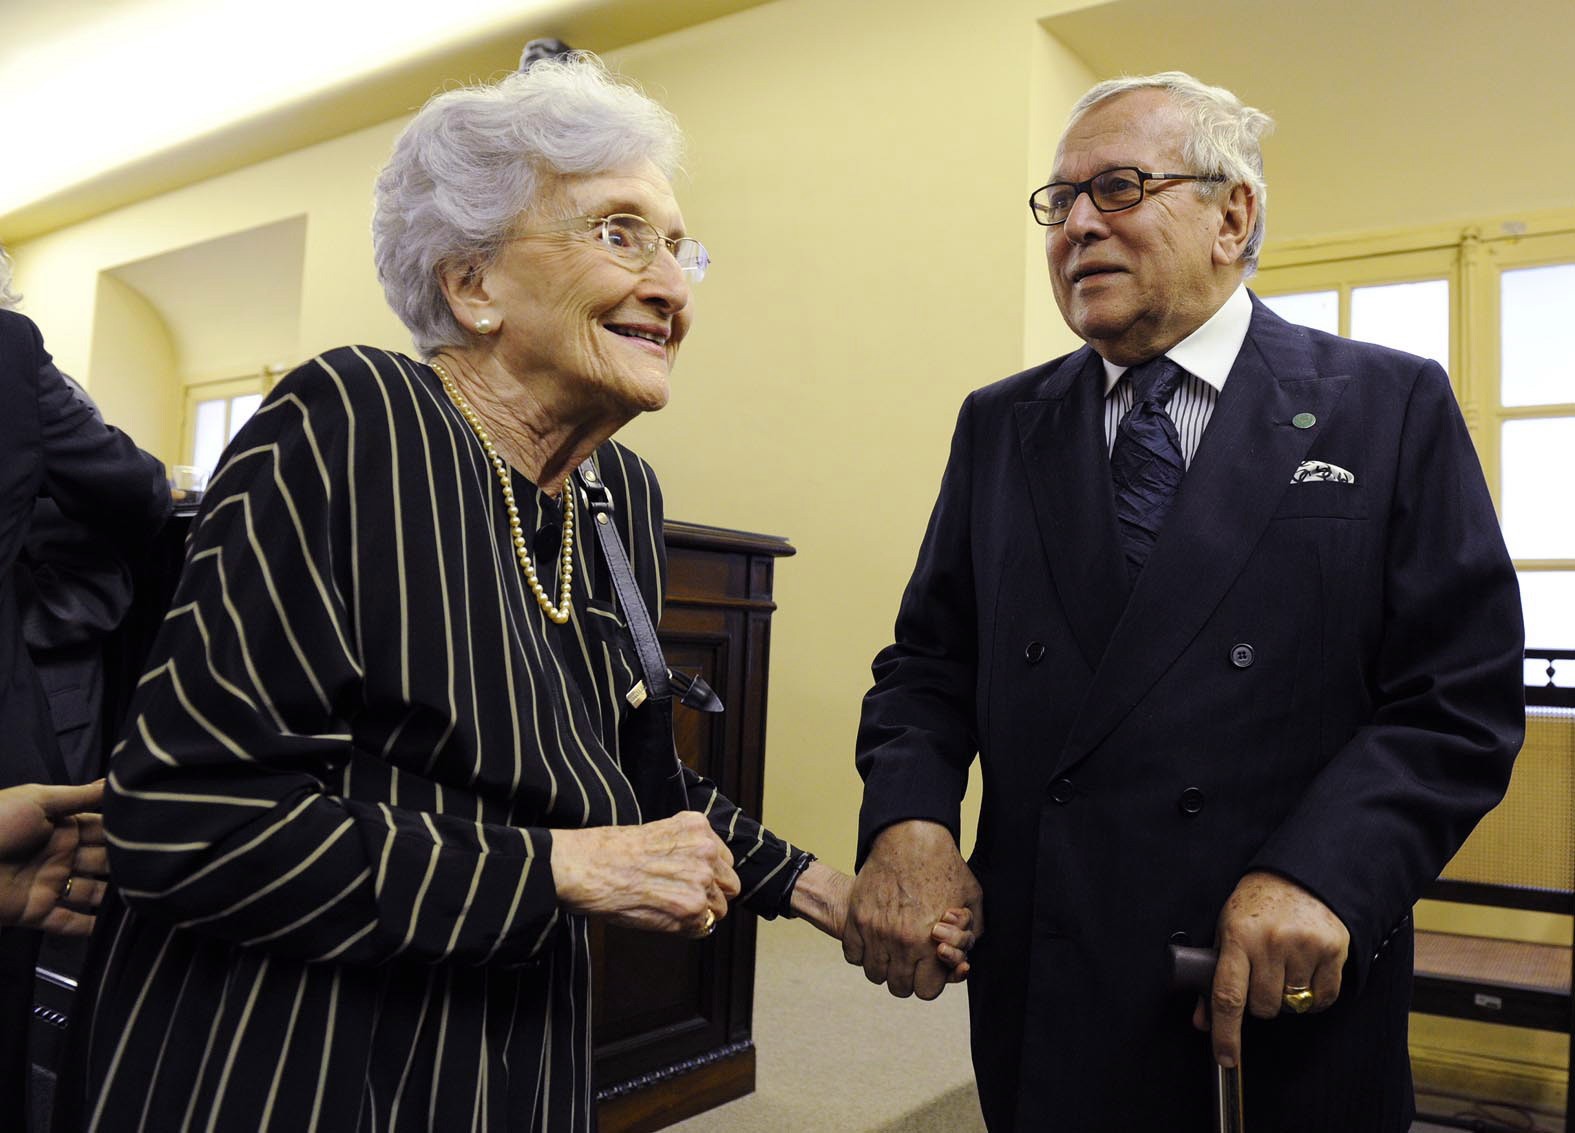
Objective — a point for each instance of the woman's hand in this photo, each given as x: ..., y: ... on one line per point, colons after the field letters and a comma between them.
x: 52, y: 857
x: 821, y: 897
x: 674, y: 875
x: 954, y: 939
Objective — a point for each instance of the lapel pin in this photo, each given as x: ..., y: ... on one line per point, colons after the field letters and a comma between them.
x: 1304, y: 420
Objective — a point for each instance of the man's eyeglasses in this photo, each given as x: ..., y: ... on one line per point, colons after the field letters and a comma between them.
x: 1111, y: 191
x: 635, y: 241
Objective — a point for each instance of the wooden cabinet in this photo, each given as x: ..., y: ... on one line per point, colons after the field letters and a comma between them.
x: 673, y: 1016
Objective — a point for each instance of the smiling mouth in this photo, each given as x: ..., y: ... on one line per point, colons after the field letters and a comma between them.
x: 659, y: 338
x: 1082, y: 274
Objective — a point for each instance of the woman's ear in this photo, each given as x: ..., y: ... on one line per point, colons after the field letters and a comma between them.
x: 464, y: 285
x: 1239, y: 210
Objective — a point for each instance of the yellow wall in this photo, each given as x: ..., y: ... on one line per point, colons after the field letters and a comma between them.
x: 131, y: 341
x: 864, y: 188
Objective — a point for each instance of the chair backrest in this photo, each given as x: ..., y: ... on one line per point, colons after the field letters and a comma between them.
x: 1522, y: 854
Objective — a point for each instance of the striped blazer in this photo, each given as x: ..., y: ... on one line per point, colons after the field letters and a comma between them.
x: 330, y: 818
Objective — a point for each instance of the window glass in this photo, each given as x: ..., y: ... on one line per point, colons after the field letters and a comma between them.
x: 1548, y: 599
x: 1407, y: 316
x: 1537, y: 467
x: 211, y: 435
x: 1317, y: 309
x: 1538, y: 308
x: 241, y: 408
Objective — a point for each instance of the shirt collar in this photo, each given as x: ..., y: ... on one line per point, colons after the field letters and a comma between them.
x: 1210, y: 351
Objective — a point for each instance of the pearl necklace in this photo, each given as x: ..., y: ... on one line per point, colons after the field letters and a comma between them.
x: 559, y: 613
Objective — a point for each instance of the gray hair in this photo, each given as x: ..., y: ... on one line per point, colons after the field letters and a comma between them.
x: 1223, y: 136
x: 472, y: 160
x: 10, y: 299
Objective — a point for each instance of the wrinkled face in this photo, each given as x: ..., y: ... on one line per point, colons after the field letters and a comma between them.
x: 587, y: 331
x: 1134, y: 283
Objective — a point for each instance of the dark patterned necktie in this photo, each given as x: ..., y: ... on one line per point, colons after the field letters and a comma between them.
x: 1145, y: 461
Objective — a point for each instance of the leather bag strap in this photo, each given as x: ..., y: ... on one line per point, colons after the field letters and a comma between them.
x: 657, y: 681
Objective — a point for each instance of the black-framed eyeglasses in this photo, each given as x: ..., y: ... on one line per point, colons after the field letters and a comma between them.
x: 635, y: 241
x: 1111, y: 190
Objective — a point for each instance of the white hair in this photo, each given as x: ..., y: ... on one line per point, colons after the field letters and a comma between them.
x: 1223, y: 137
x: 472, y: 160
x: 10, y: 299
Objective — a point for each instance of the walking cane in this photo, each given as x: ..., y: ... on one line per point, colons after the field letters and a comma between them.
x: 1192, y: 969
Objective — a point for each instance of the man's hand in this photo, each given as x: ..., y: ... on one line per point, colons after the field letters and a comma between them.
x: 52, y: 857
x: 1272, y: 934
x: 674, y: 875
x: 913, y: 875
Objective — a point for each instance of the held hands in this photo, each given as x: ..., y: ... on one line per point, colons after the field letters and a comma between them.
x: 674, y: 875
x: 1272, y: 935
x: 821, y: 898
x: 52, y: 857
x: 914, y: 911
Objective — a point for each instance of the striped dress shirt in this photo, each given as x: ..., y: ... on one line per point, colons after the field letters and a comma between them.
x: 330, y: 818
x: 1190, y: 408
x: 1206, y: 357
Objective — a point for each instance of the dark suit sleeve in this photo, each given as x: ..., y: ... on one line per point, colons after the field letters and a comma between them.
x: 94, y: 472
x: 917, y: 734
x: 1447, y: 701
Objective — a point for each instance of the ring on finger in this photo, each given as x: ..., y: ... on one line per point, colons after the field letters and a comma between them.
x: 708, y: 926
x: 65, y: 890
x: 1297, y: 999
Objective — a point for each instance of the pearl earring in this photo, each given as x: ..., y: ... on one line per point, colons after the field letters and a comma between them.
x: 483, y: 326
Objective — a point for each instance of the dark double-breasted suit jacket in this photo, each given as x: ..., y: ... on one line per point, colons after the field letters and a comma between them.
x: 1317, y: 678
x: 54, y: 444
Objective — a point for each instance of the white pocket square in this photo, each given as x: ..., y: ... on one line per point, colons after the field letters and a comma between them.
x: 1321, y: 470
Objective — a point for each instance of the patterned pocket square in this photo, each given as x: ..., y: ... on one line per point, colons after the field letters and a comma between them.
x: 1321, y: 470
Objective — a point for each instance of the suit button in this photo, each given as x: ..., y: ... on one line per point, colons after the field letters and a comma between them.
x: 1242, y: 655
x: 1034, y: 652
x: 1062, y: 790
x: 1191, y: 801
x: 1180, y: 939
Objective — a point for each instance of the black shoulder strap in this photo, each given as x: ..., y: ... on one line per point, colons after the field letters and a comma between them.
x: 656, y: 679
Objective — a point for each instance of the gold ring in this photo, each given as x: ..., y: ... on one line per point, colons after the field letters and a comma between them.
x: 709, y: 926
x: 1297, y: 1000
x: 65, y: 890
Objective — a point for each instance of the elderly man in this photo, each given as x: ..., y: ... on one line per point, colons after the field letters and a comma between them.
x: 1222, y: 605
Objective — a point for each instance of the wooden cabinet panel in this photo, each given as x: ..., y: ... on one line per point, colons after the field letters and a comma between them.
x: 673, y: 1017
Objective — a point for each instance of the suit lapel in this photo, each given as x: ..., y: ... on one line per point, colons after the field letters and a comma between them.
x: 1242, y: 468
x: 1062, y: 441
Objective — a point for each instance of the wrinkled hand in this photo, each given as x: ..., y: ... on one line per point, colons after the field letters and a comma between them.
x: 660, y: 876
x: 47, y: 839
x: 821, y: 898
x: 1272, y: 934
x: 900, y: 899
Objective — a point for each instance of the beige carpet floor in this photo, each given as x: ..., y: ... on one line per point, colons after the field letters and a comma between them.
x: 836, y: 1054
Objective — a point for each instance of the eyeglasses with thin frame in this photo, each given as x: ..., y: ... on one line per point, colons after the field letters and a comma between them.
x: 1111, y: 190
x: 634, y: 241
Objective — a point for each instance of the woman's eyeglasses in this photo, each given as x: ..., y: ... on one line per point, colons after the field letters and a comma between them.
x: 635, y: 241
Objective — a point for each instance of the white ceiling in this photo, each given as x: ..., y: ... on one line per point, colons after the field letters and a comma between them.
x: 107, y: 102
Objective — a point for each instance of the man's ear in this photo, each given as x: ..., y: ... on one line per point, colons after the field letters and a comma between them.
x: 464, y: 284
x: 1239, y: 210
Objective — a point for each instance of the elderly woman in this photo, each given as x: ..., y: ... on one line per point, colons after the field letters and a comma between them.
x: 378, y: 775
